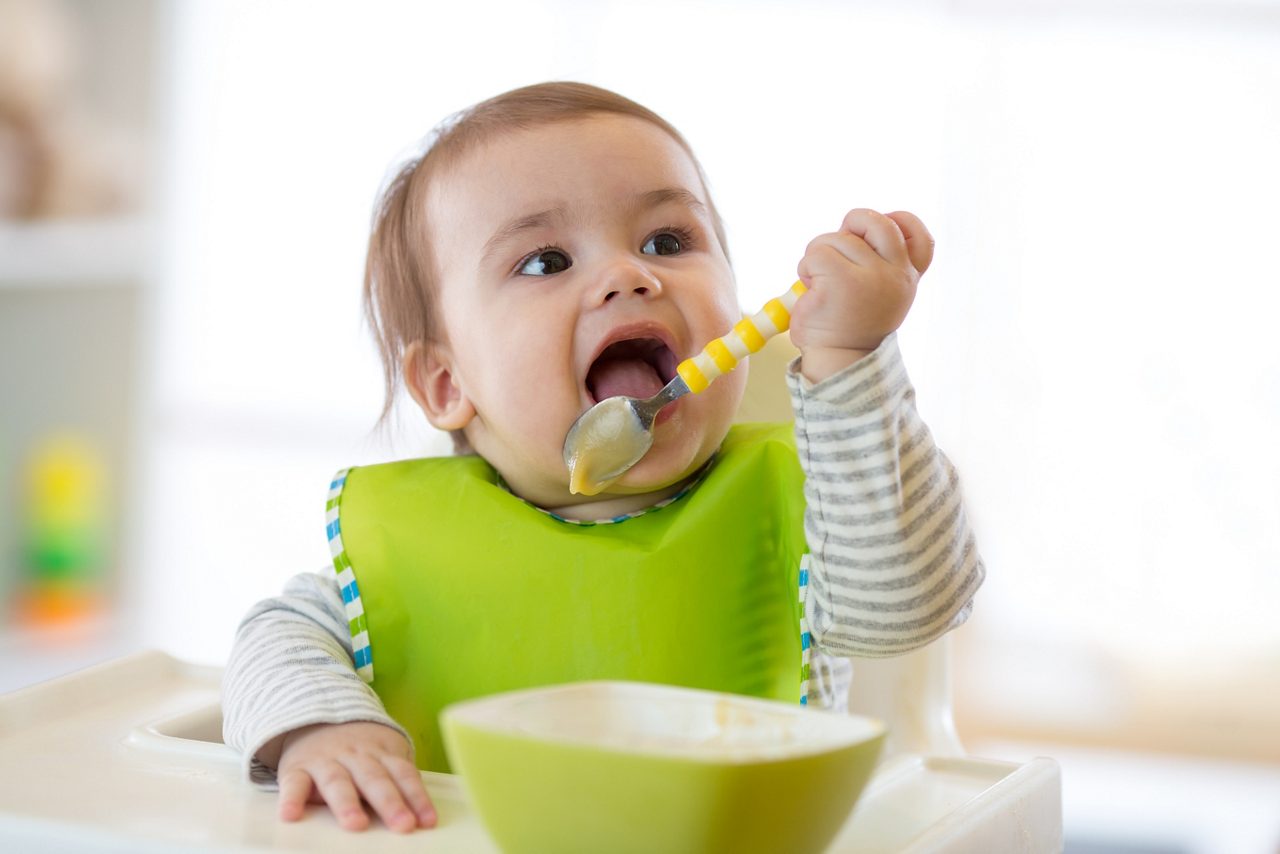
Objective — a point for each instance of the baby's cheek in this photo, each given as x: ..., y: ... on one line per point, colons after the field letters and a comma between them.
x: 725, y: 394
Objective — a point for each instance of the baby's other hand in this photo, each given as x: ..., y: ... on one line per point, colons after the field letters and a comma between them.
x: 862, y: 280
x: 338, y: 764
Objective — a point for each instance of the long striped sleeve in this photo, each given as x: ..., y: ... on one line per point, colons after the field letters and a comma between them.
x: 291, y: 666
x: 892, y: 562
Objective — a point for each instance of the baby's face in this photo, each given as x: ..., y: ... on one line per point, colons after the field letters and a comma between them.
x: 578, y: 261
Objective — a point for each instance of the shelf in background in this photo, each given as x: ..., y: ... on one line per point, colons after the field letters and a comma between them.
x: 75, y: 253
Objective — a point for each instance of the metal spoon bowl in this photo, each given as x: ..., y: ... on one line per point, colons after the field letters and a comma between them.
x: 612, y: 436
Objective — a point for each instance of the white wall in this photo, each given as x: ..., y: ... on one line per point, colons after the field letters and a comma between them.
x: 1093, y: 346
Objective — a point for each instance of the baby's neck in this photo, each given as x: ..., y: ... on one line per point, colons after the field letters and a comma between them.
x: 616, y: 505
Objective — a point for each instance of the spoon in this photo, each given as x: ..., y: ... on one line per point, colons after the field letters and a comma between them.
x: 615, y: 434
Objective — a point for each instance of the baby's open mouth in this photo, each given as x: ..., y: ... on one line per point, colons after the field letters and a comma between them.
x: 637, y: 367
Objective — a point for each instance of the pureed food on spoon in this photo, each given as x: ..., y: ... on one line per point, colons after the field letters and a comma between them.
x: 604, y: 444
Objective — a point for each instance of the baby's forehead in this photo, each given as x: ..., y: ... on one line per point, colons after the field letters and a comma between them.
x: 605, y: 144
x: 596, y: 163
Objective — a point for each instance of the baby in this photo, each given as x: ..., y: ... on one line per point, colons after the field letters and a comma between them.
x: 554, y: 246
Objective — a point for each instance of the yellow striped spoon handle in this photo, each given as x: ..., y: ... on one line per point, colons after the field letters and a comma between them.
x: 747, y: 336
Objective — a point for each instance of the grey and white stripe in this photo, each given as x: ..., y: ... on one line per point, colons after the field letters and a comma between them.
x: 292, y: 666
x: 892, y: 560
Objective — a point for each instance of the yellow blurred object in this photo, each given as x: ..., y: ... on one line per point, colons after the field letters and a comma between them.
x: 64, y: 508
x: 64, y: 480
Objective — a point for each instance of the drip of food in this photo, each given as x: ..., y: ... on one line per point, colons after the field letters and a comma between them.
x: 631, y: 382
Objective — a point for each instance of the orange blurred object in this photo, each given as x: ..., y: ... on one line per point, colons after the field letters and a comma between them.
x: 57, y: 605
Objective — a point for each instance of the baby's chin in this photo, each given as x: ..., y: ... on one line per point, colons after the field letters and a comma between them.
x: 668, y: 463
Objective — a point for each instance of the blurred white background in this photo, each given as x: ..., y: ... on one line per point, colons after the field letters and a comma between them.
x: 1093, y: 345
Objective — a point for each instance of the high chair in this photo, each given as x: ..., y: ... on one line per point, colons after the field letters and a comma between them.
x: 128, y: 757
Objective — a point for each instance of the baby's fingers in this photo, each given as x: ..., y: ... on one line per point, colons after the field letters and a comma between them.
x: 383, y: 794
x: 409, y: 780
x: 881, y: 233
x: 295, y: 790
x: 336, y: 787
x: 829, y: 254
x: 919, y: 240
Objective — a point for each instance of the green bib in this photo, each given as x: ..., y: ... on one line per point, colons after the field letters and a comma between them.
x: 456, y: 589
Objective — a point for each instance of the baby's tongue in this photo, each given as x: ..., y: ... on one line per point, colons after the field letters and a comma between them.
x: 631, y: 377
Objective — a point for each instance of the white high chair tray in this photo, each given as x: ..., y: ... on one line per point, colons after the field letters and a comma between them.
x: 128, y: 756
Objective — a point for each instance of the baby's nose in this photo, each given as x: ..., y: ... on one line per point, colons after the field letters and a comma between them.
x: 628, y: 279
x: 640, y: 290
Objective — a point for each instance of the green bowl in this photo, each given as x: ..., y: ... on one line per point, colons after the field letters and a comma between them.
x: 628, y: 766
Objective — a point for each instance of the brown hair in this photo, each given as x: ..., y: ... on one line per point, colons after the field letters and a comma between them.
x: 399, y: 279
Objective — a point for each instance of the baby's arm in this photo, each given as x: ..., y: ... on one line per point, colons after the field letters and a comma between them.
x: 892, y: 559
x: 292, y: 701
x: 893, y: 564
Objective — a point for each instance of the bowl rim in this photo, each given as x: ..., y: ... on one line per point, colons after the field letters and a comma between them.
x: 479, y: 714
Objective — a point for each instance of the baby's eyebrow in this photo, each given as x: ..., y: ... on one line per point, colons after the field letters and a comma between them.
x: 541, y: 219
x: 678, y: 195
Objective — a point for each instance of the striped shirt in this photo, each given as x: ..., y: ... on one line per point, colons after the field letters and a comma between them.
x: 892, y: 565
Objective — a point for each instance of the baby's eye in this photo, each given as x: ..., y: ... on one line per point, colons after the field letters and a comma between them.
x: 664, y: 243
x: 545, y: 262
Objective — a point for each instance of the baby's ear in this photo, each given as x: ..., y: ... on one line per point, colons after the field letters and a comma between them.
x: 429, y: 376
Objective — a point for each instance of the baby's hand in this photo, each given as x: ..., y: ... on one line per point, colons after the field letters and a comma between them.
x: 337, y: 764
x: 862, y: 280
